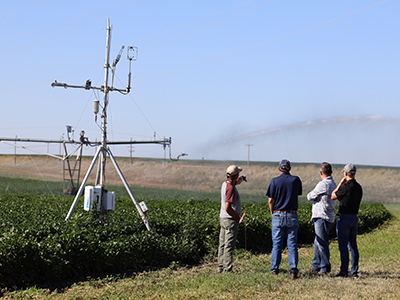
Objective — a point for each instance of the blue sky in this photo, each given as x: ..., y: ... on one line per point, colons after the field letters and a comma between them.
x: 310, y: 81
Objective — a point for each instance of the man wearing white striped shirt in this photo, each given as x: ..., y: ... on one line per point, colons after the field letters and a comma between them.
x: 323, y: 215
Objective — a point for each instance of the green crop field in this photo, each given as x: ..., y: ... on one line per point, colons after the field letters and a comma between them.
x: 40, y: 250
x: 37, y: 246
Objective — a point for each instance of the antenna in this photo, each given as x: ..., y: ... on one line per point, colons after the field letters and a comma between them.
x: 103, y: 150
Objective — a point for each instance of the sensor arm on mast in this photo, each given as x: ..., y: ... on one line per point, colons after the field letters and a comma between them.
x: 88, y: 85
x: 131, y: 55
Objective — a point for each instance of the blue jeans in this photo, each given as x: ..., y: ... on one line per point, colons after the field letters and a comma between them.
x: 347, y: 240
x: 321, y: 245
x: 284, y: 225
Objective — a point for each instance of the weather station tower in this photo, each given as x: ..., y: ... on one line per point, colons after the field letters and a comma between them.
x: 97, y: 197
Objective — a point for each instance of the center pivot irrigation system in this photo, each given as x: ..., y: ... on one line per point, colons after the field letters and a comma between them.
x: 97, y: 196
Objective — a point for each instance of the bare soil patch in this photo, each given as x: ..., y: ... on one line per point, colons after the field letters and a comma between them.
x: 379, y: 183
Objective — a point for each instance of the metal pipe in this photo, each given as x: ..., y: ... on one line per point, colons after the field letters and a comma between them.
x: 128, y: 189
x: 104, y: 114
x: 33, y: 150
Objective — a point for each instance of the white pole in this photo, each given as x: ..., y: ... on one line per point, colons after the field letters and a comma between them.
x: 104, y: 114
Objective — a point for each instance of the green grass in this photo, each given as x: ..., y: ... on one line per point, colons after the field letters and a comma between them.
x: 393, y: 208
x: 379, y: 277
x: 39, y: 187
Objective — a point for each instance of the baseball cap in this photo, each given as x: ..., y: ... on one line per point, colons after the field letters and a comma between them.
x: 233, y: 170
x: 284, y: 165
x: 350, y: 168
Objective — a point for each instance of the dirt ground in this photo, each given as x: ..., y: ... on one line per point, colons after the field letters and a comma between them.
x: 379, y: 183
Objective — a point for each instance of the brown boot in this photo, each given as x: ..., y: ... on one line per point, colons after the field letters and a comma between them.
x: 293, y: 275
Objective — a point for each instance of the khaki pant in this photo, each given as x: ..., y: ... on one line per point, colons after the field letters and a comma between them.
x: 227, y: 242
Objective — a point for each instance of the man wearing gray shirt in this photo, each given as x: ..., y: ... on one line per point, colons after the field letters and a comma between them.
x: 231, y: 209
x: 323, y: 215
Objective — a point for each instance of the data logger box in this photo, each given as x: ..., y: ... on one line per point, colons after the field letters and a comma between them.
x: 109, y: 201
x: 95, y: 199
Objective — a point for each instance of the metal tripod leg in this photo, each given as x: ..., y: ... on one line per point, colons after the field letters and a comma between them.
x: 144, y: 217
x: 78, y: 194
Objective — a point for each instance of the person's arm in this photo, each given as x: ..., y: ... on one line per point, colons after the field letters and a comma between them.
x: 333, y: 196
x: 230, y: 211
x: 271, y: 202
x: 316, y: 192
x: 240, y: 180
x: 300, y: 188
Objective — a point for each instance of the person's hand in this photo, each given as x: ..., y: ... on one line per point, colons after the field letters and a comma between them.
x: 240, y: 179
x: 343, y: 180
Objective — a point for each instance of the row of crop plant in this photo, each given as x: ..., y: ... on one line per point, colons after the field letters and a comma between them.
x: 37, y: 246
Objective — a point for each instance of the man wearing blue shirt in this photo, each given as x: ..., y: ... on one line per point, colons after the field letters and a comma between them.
x: 283, y: 194
x: 323, y: 216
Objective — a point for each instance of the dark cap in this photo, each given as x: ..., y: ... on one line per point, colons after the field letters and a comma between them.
x: 284, y: 165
